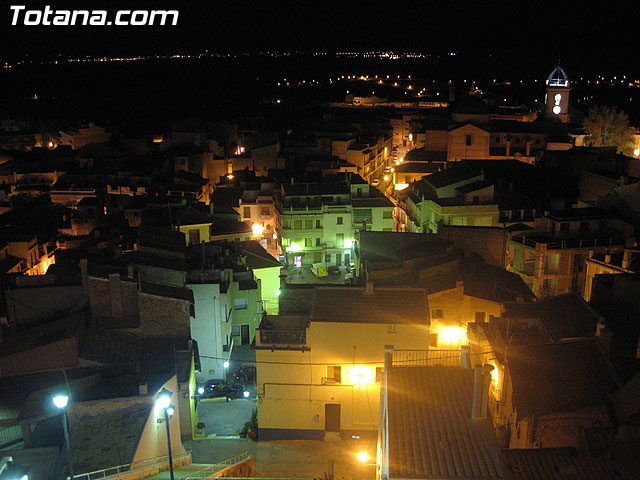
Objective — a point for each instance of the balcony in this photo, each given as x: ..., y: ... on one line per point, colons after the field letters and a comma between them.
x: 282, y: 337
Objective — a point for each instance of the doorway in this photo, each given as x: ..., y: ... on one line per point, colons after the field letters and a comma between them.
x: 244, y: 334
x: 332, y: 417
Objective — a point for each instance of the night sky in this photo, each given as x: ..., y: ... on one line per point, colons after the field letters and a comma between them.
x: 605, y: 33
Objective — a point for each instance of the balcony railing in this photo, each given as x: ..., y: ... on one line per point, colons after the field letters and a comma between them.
x: 283, y: 337
x: 569, y: 242
x: 421, y: 358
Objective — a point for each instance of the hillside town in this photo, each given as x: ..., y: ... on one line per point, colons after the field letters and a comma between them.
x: 438, y: 287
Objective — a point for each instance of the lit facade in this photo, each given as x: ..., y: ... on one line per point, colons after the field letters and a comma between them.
x: 318, y: 222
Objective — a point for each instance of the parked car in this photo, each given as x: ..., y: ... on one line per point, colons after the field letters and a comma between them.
x: 217, y: 388
x: 246, y: 375
x: 334, y: 270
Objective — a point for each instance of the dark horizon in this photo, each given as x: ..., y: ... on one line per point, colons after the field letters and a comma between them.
x: 601, y: 35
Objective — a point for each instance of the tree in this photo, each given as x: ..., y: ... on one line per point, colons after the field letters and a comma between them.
x: 609, y: 127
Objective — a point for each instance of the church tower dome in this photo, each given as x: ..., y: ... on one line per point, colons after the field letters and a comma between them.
x: 557, y: 96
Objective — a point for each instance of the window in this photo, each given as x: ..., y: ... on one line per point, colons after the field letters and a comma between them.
x: 339, y: 220
x: 240, y: 303
x: 265, y: 212
x: 517, y: 139
x: 433, y: 340
x: 327, y: 258
x: 497, y: 139
x: 334, y: 374
x: 468, y: 139
x: 338, y: 258
x: 392, y: 328
x: 317, y: 241
x: 387, y: 214
x: 308, y: 224
x: 308, y: 242
x: 247, y: 212
x: 286, y: 224
x: 584, y: 227
x: 436, y: 313
x: 564, y: 228
x: 297, y: 261
x: 379, y: 372
x: 318, y: 224
x: 297, y: 224
x: 194, y: 237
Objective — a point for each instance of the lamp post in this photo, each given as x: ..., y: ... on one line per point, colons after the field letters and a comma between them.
x: 163, y: 401
x: 225, y: 366
x: 60, y: 401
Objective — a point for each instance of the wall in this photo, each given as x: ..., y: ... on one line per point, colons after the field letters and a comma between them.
x: 292, y: 397
x: 51, y: 301
x: 458, y: 150
x: 270, y: 286
x: 457, y: 310
x: 55, y: 355
x: 163, y: 316
x: 204, y: 230
x: 153, y: 441
x: 125, y: 301
x: 488, y: 242
x: 209, y: 329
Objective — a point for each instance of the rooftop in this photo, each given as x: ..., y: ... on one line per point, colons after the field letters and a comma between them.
x: 431, y: 433
x: 385, y: 305
x: 559, y: 377
x: 563, y: 316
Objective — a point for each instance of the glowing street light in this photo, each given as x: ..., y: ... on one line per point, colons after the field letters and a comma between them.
x: 163, y: 401
x: 363, y: 456
x: 60, y: 401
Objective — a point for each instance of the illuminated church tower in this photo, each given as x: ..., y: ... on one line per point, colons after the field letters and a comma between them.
x: 557, y: 97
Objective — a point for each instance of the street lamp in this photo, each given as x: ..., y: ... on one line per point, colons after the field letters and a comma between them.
x: 10, y: 470
x: 60, y: 401
x: 163, y: 401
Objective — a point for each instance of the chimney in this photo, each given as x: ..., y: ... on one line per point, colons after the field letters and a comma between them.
x: 465, y: 357
x: 143, y: 389
x: 481, y: 379
x: 626, y: 259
